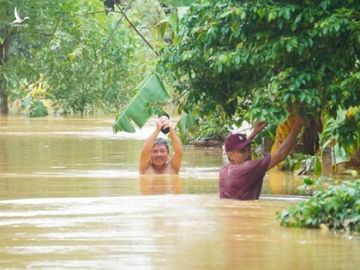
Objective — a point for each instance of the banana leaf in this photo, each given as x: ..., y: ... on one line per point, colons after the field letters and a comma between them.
x: 317, y: 166
x: 158, y: 34
x: 170, y: 22
x: 149, y: 90
x: 186, y: 122
x: 340, y: 155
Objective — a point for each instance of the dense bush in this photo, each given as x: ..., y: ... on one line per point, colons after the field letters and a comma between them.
x: 337, y: 207
x: 256, y: 59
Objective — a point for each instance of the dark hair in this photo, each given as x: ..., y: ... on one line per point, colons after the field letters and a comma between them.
x: 162, y: 141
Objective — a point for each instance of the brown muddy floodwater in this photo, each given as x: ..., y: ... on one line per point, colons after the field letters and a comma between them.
x: 71, y: 198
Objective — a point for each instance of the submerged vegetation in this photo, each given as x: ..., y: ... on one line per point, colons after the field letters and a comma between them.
x: 335, y: 206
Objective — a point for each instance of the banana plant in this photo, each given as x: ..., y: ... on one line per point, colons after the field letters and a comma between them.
x: 152, y: 90
x: 186, y: 123
x: 169, y: 24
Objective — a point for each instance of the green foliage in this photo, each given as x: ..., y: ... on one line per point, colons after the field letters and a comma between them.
x: 187, y: 125
x: 161, y: 30
x: 85, y: 74
x: 295, y: 161
x: 302, y: 164
x: 310, y: 185
x: 344, y: 129
x: 89, y: 60
x: 337, y: 207
x: 178, y: 3
x: 138, y: 110
x: 38, y: 109
x: 340, y: 155
x: 258, y: 58
x: 191, y: 127
x: 152, y: 91
x: 212, y: 127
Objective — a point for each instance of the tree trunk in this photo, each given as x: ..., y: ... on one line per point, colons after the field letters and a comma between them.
x: 4, y: 48
x: 355, y: 160
x: 326, y: 162
x: 4, y: 108
x: 311, y: 137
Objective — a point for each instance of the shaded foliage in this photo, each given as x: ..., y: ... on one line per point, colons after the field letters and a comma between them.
x: 258, y: 58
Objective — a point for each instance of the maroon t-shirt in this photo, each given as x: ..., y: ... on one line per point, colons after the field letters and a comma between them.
x: 243, y: 181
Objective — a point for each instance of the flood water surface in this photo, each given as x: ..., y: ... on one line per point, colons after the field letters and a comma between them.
x: 71, y: 198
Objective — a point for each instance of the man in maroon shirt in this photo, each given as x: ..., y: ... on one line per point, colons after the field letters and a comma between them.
x: 242, y: 178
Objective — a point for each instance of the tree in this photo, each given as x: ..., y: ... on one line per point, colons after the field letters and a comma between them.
x: 82, y: 58
x: 151, y: 93
x: 258, y: 59
x: 18, y: 41
x: 85, y: 72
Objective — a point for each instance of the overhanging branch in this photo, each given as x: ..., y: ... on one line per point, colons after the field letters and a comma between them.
x: 135, y: 29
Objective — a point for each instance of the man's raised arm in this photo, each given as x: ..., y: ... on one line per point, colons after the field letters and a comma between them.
x: 145, y: 156
x: 178, y: 149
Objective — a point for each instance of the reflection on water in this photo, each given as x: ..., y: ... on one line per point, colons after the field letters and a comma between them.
x: 160, y: 184
x: 71, y: 197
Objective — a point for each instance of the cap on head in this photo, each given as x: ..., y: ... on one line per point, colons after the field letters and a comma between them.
x: 236, y: 141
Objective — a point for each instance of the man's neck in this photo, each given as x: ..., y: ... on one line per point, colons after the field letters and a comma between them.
x: 160, y: 168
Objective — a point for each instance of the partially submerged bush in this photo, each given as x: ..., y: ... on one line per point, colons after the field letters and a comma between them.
x: 311, y: 185
x: 337, y: 207
x: 38, y: 109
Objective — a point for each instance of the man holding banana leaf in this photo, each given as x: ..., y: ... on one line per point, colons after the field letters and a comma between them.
x: 154, y: 158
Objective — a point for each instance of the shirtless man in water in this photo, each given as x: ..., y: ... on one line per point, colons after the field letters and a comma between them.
x: 154, y: 158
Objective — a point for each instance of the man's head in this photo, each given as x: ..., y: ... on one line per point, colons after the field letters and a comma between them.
x: 237, y: 148
x: 160, y: 152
